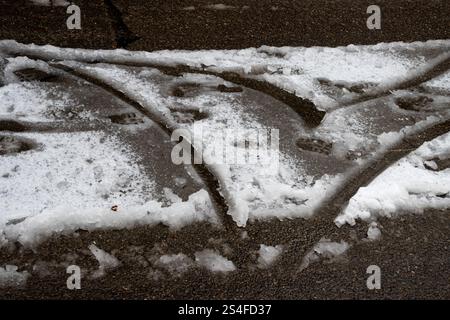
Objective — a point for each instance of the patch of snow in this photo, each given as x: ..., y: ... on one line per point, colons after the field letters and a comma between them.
x: 105, y: 260
x: 29, y: 102
x: 35, y: 229
x: 274, y: 187
x: 373, y: 233
x: 95, y: 171
x: 440, y: 83
x: 406, y: 186
x: 268, y: 255
x: 175, y: 263
x: 219, y: 6
x: 295, y: 69
x: 56, y: 188
x: 171, y: 196
x: 324, y: 249
x: 47, y: 3
x: 253, y: 192
x: 10, y: 277
x: 213, y: 261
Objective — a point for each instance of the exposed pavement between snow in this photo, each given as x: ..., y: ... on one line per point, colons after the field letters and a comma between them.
x: 203, y: 171
x: 192, y: 24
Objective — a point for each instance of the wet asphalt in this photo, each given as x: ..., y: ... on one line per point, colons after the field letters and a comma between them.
x: 191, y: 24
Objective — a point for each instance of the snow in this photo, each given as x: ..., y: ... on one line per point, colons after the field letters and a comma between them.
x: 252, y: 192
x: 105, y: 260
x: 438, y: 84
x: 213, y: 261
x: 29, y: 102
x: 273, y: 187
x: 295, y: 69
x: 35, y: 229
x: 373, y: 233
x: 171, y: 196
x: 175, y: 263
x: 219, y: 6
x: 58, y: 189
x: 55, y: 3
x: 96, y: 171
x: 268, y: 255
x: 10, y: 277
x: 2, y: 71
x: 408, y: 186
x: 324, y: 249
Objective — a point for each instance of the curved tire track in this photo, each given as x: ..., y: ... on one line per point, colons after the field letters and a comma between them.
x: 323, y: 220
x: 210, y: 180
x: 376, y: 166
x: 440, y: 67
x: 328, y: 211
x: 303, y: 107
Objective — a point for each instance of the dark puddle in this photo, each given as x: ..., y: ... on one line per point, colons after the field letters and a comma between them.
x: 126, y: 118
x: 185, y: 90
x: 224, y: 88
x: 314, y: 145
x: 31, y: 74
x: 9, y: 145
x: 191, y: 89
x: 441, y: 164
x: 188, y: 115
x: 337, y: 86
x: 11, y: 125
x: 417, y: 103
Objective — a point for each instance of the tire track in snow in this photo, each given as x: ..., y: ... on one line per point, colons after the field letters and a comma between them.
x: 439, y: 67
x: 300, y: 235
x: 377, y: 165
x: 359, y: 179
x: 303, y: 107
x: 322, y: 223
x: 208, y: 177
x: 8, y: 125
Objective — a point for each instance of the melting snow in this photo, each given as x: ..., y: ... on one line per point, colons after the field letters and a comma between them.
x: 268, y: 255
x: 175, y: 263
x: 10, y: 277
x: 327, y: 76
x: 373, y: 233
x: 213, y: 261
x: 105, y: 260
x: 324, y: 249
x: 406, y: 186
x: 59, y: 189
